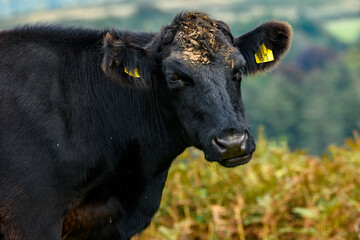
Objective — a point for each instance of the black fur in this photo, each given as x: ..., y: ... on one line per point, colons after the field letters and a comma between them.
x: 275, y: 35
x: 85, y: 148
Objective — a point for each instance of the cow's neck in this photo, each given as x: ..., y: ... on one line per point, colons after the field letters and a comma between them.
x: 145, y: 146
x: 122, y: 128
x: 115, y: 120
x: 139, y: 128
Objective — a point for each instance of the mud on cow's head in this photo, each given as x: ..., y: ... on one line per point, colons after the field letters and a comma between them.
x: 195, y: 66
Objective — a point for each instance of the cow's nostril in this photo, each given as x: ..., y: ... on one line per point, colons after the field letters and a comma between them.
x: 219, y: 144
x: 245, y: 137
x: 231, y: 145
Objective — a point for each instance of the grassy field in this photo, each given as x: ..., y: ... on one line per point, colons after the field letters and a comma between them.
x: 278, y: 195
x: 346, y: 30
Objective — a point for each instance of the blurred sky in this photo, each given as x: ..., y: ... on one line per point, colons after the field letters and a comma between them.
x: 17, y: 7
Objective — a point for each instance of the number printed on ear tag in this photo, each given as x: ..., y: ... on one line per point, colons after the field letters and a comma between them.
x: 264, y: 55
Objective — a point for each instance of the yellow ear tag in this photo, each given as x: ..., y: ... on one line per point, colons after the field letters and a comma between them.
x: 131, y: 73
x: 264, y: 55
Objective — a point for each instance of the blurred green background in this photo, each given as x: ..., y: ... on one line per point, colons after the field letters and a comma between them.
x: 310, y: 101
x: 303, y: 181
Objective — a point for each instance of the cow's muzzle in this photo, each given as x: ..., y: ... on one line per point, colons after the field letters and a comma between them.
x: 233, y: 148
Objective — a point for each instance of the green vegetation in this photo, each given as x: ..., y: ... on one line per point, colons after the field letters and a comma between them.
x: 278, y: 195
x: 311, y: 107
x: 346, y: 30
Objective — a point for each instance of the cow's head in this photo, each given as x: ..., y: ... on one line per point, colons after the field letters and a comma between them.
x: 195, y: 65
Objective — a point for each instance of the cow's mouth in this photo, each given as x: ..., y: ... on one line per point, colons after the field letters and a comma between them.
x: 236, y: 161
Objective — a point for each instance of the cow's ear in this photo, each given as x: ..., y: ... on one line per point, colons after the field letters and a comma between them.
x: 264, y: 46
x: 125, y: 62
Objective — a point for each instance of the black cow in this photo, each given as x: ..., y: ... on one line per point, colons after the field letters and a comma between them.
x: 91, y: 120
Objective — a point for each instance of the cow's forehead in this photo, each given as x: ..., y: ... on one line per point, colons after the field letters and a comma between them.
x: 200, y: 39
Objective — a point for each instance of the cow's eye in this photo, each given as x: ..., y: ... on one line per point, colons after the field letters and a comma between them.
x: 175, y: 79
x: 175, y: 82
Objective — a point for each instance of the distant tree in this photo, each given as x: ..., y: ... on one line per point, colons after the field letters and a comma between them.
x: 312, y: 108
x: 315, y: 57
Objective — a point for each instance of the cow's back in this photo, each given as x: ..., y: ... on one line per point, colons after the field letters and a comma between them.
x: 42, y: 93
x: 30, y: 93
x: 29, y: 84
